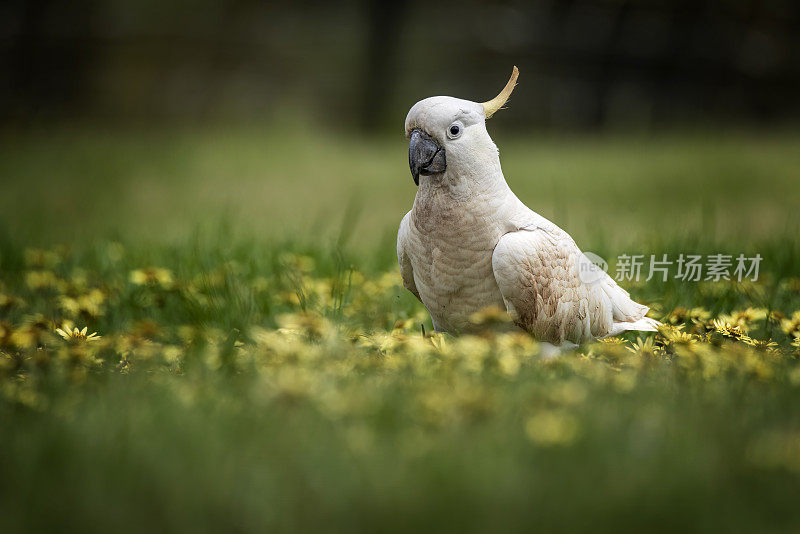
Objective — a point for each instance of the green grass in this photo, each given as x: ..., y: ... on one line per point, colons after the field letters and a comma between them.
x: 279, y: 380
x: 67, y: 184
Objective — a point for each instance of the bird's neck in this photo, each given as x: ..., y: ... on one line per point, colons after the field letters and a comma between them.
x: 462, y: 183
x: 460, y: 197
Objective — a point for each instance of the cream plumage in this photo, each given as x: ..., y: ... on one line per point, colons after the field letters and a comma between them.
x: 469, y: 242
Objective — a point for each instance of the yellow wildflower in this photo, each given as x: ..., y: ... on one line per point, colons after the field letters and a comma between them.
x: 614, y: 340
x: 792, y: 326
x: 73, y: 334
x: 683, y: 315
x: 728, y: 330
x: 41, y: 280
x: 644, y: 346
x: 90, y: 304
x: 743, y: 318
x: 152, y: 276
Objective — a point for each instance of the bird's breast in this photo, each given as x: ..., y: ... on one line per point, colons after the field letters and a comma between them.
x: 450, y: 248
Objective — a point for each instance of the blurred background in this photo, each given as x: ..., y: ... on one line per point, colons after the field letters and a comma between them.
x: 171, y: 112
x: 585, y: 63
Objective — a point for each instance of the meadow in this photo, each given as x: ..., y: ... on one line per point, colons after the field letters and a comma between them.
x: 257, y: 365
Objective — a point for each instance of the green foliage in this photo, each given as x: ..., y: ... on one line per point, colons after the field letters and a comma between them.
x: 245, y: 383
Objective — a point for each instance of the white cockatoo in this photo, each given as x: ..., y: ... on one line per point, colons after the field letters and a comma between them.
x: 469, y: 243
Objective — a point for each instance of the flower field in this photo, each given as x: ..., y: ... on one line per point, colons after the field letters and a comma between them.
x: 226, y: 382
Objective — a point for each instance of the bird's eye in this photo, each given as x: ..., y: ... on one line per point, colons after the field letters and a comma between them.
x: 454, y: 131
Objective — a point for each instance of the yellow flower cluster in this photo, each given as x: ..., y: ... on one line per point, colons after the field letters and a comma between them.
x: 347, y: 342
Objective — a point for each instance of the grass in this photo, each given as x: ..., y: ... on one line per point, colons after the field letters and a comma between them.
x: 65, y: 185
x: 261, y: 368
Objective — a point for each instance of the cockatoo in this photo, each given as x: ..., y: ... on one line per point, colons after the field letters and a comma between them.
x: 469, y: 243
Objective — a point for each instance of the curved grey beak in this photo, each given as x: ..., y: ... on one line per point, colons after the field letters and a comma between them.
x: 425, y: 155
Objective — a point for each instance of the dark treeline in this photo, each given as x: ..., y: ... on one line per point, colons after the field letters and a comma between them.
x: 584, y: 63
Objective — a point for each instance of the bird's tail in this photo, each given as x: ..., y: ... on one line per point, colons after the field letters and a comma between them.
x: 624, y: 309
x: 627, y: 313
x: 645, y: 324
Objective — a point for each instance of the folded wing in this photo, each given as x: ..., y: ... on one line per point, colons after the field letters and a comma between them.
x: 406, y: 270
x: 537, y: 272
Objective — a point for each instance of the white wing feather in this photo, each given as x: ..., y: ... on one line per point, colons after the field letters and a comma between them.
x: 536, y: 269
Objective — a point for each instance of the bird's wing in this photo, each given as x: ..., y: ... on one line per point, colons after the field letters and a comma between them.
x: 536, y: 269
x: 406, y: 270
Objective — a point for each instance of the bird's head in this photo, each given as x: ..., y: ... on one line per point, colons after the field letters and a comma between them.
x: 449, y: 134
